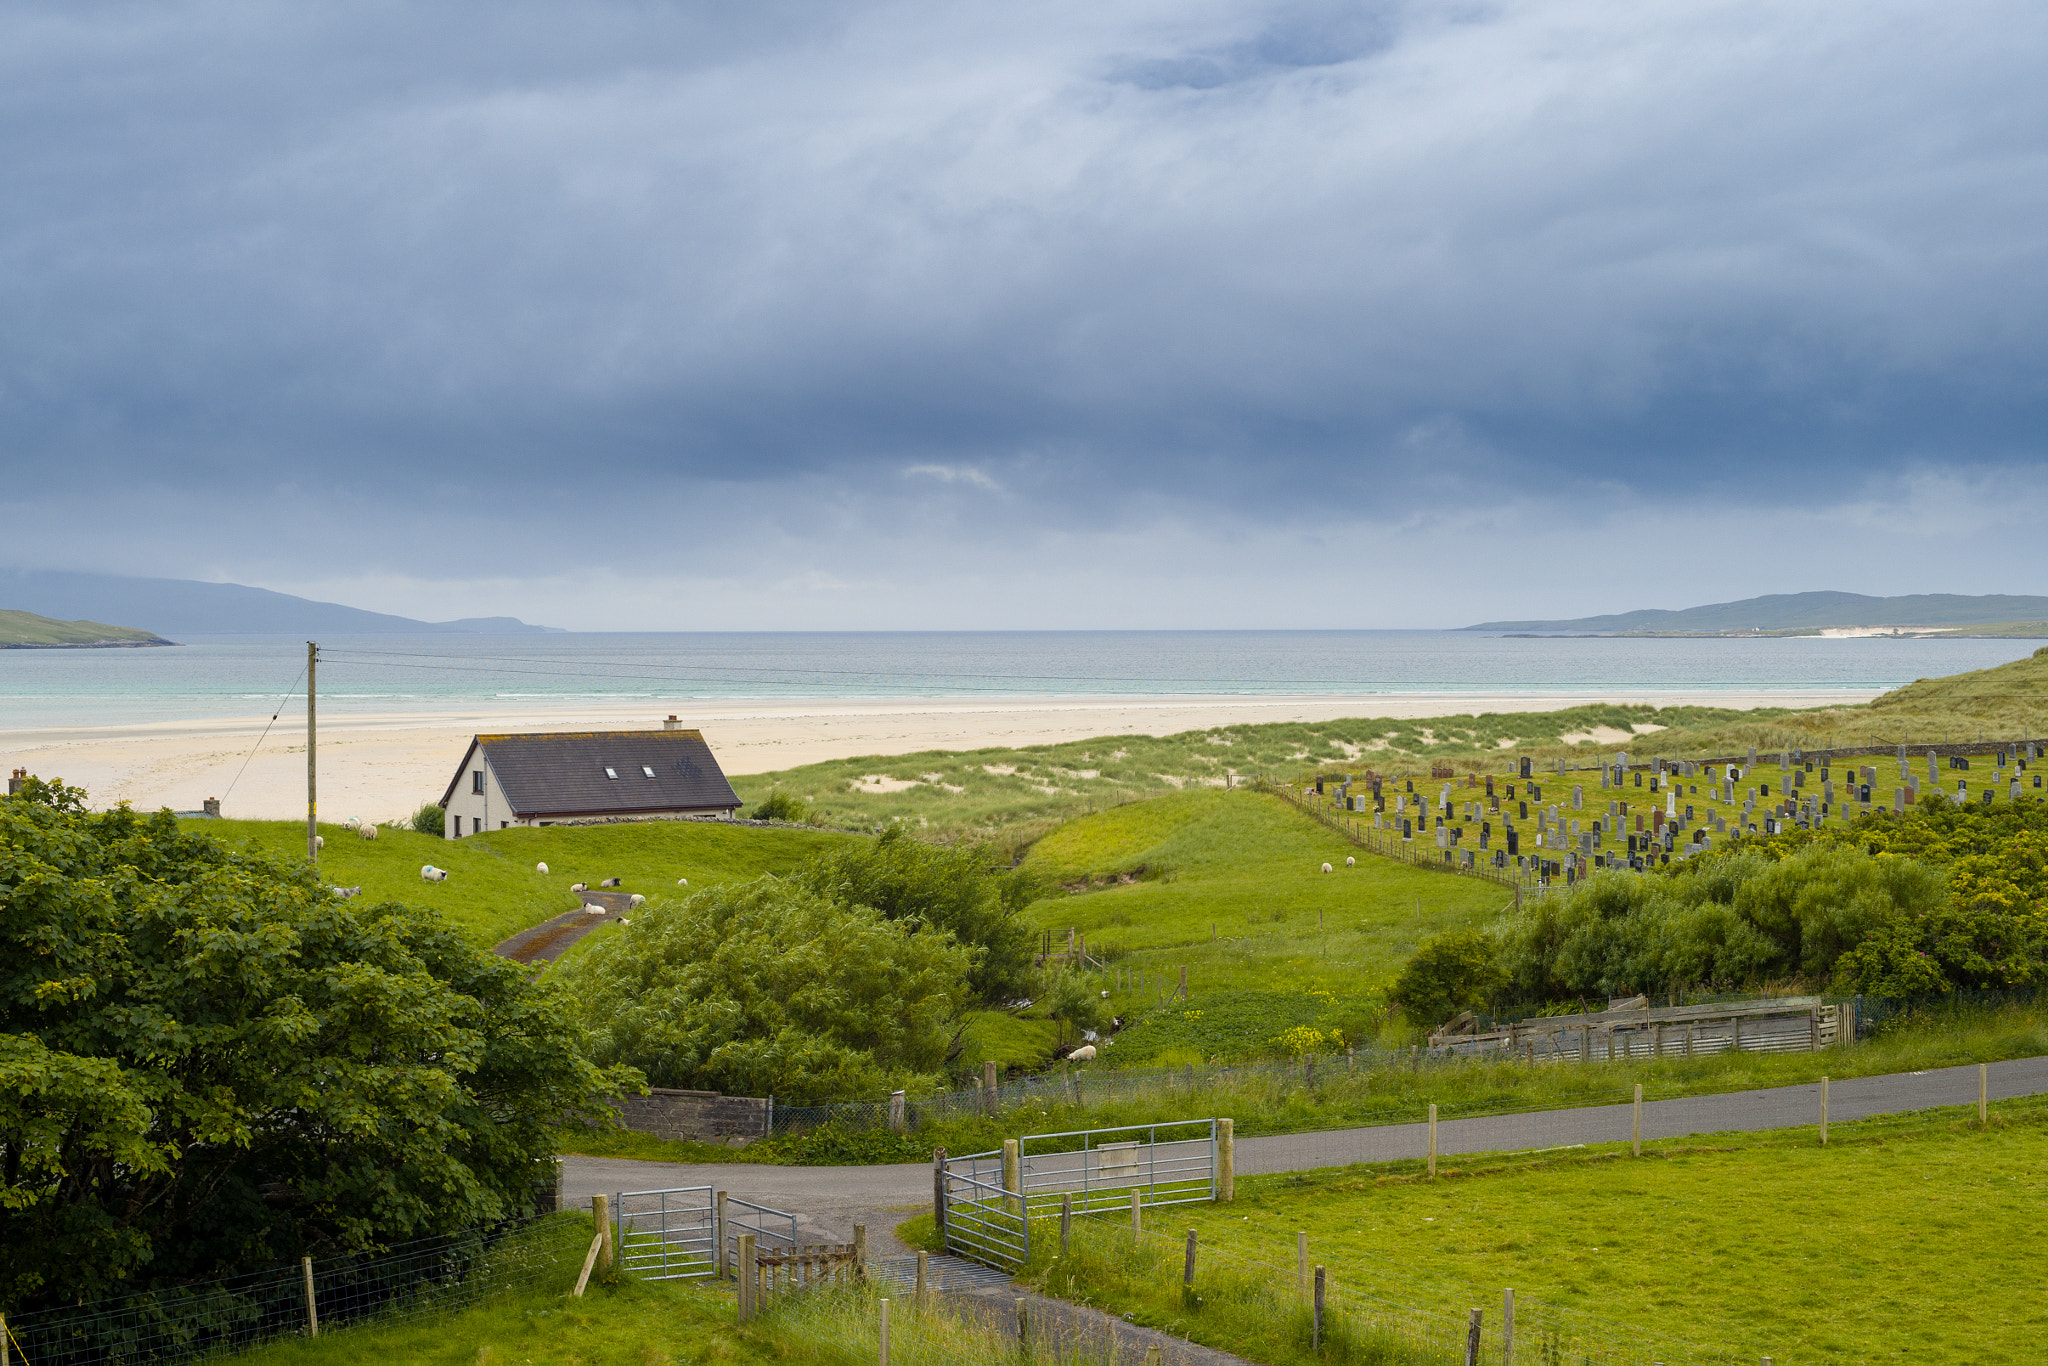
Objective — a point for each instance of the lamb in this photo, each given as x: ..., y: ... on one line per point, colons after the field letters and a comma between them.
x: 429, y: 873
x: 682, y: 882
x: 1085, y: 1053
x: 541, y: 868
x: 319, y: 843
x: 638, y: 900
x: 1350, y: 862
x: 578, y: 887
x: 367, y: 832
x: 1328, y: 869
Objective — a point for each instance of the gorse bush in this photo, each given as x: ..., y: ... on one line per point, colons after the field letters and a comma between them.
x: 766, y: 988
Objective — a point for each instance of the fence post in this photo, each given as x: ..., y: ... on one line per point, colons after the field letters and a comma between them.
x: 1507, y: 1327
x: 918, y: 1300
x: 1301, y: 1262
x: 899, y: 1121
x: 1432, y: 1140
x: 1066, y: 1221
x: 1226, y: 1161
x: 1823, y: 1112
x: 1636, y: 1139
x: 1013, y: 1182
x: 860, y: 1252
x: 1023, y: 1330
x: 939, y: 1193
x: 747, y: 1274
x: 1187, y: 1275
x: 1983, y: 1093
x: 718, y: 1230
x: 882, y: 1350
x: 312, y: 1307
x: 601, y: 1217
x: 1472, y: 1338
x: 1137, y: 1223
x: 1315, y: 1333
x: 988, y: 1086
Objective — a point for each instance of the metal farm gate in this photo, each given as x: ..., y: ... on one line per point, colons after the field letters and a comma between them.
x: 679, y: 1234
x: 990, y: 1199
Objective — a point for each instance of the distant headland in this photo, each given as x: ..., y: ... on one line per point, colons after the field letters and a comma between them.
x: 1813, y: 614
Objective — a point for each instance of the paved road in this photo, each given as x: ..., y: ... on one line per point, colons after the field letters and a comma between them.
x: 830, y: 1200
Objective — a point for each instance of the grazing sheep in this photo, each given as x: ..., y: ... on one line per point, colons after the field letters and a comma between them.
x: 346, y: 892
x: 429, y: 873
x: 1328, y: 869
x: 351, y: 823
x: 367, y: 832
x: 541, y: 868
x: 578, y: 887
x: 611, y: 882
x: 682, y: 882
x: 1350, y: 862
x: 319, y: 843
x: 1085, y: 1053
x: 638, y: 900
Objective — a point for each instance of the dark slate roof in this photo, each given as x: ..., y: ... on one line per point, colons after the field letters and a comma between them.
x: 562, y: 773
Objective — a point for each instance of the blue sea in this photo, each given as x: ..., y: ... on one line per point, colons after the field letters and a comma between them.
x: 240, y: 676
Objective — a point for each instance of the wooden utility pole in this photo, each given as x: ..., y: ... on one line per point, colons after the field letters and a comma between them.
x: 312, y: 789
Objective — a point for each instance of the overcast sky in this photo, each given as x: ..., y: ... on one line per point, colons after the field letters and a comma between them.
x: 1062, y: 313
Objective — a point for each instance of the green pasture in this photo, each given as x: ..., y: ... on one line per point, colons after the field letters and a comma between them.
x: 493, y: 890
x: 1900, y: 1241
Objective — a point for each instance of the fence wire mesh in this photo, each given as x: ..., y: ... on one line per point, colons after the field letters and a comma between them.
x: 406, y: 1282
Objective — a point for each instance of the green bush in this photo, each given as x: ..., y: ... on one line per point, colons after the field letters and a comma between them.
x: 959, y: 890
x: 210, y: 1063
x: 1073, y: 1000
x: 431, y: 819
x: 1452, y: 972
x: 766, y: 989
x: 781, y: 806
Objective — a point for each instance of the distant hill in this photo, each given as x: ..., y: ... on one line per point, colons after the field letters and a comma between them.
x: 1802, y: 612
x: 27, y: 631
x: 187, y: 607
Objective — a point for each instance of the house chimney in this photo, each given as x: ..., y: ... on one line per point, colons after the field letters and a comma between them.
x: 212, y: 805
x: 671, y: 724
x: 15, y: 780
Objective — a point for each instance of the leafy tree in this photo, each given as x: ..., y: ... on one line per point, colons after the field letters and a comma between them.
x: 209, y: 1062
x: 1451, y: 972
x: 1073, y: 1000
x: 766, y: 988
x: 958, y: 890
x: 431, y: 819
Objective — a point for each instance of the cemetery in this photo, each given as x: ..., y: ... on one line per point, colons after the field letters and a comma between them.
x: 1551, y: 824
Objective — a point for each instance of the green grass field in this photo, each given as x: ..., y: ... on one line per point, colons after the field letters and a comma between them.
x: 492, y: 890
x: 1900, y: 1241
x: 1228, y: 885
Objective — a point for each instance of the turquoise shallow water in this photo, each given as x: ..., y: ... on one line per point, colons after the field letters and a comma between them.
x: 243, y: 675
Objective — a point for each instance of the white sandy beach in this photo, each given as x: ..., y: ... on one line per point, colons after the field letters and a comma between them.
x: 379, y: 766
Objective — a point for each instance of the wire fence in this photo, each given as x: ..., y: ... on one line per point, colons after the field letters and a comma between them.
x: 406, y: 1282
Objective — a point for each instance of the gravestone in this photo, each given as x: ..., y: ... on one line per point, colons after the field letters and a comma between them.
x: 1578, y: 798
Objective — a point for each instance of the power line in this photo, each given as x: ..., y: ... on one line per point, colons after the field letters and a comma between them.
x: 266, y: 731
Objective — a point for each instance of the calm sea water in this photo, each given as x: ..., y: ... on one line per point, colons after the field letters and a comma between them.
x: 244, y: 675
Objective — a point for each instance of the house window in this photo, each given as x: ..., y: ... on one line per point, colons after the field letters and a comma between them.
x: 476, y: 782
x: 476, y: 825
x: 648, y: 771
x: 611, y: 772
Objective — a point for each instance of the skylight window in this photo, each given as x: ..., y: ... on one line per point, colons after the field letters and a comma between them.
x: 611, y: 773
x: 648, y: 771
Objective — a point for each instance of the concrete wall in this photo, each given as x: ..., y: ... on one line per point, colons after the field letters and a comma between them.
x: 704, y: 1116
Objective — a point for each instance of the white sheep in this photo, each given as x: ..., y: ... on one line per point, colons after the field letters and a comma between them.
x: 638, y: 900
x: 1350, y: 862
x: 429, y: 873
x: 612, y: 882
x: 319, y: 843
x: 1328, y: 869
x: 1085, y: 1053
x: 367, y: 832
x: 682, y: 882
x: 351, y: 823
x: 578, y: 887
x: 541, y: 868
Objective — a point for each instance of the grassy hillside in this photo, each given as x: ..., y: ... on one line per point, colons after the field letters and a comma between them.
x: 1891, y: 1244
x: 1016, y: 794
x: 1228, y: 885
x: 492, y: 890
x: 27, y: 629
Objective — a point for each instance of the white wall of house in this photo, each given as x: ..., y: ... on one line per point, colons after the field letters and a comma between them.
x: 470, y: 811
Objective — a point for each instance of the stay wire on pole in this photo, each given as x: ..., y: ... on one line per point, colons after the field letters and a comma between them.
x: 266, y: 731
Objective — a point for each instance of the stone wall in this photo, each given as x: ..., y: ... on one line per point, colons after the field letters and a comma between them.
x: 705, y: 1116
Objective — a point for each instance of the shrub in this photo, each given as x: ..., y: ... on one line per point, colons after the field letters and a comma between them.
x: 431, y: 819
x: 1073, y: 1000
x: 765, y: 988
x: 780, y: 806
x: 1452, y: 972
x: 209, y: 1063
x: 958, y: 890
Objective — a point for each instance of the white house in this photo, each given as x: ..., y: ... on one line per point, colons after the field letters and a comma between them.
x: 586, y: 778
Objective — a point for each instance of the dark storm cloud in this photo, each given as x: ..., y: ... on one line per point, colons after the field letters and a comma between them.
x: 1247, y: 262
